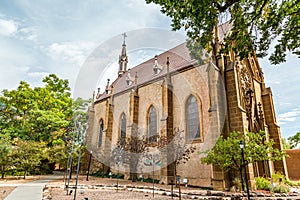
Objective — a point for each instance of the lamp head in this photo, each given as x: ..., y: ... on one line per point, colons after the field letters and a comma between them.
x: 241, y: 144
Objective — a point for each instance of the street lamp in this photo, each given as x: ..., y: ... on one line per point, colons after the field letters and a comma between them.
x: 243, y: 164
x: 89, y: 165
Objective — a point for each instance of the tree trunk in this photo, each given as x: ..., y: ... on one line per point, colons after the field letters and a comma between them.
x: 25, y: 172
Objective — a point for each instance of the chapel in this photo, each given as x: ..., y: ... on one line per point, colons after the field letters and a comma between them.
x: 173, y: 92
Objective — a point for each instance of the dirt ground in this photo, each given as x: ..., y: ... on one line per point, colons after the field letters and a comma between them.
x: 60, y: 194
x: 57, y: 191
x: 5, y: 191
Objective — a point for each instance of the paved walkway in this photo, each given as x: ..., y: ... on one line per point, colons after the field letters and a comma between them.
x: 31, y: 190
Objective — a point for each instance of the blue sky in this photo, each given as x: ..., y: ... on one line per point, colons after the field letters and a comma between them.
x: 38, y: 37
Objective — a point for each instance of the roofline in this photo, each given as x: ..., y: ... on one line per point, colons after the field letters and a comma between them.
x: 192, y: 65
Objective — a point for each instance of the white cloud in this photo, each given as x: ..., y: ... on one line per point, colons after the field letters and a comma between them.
x: 8, y: 27
x: 289, y: 116
x: 28, y: 33
x: 72, y: 52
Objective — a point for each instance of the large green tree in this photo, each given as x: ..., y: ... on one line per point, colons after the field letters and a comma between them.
x: 40, y: 115
x: 255, y: 24
x: 227, y: 153
x: 37, y: 114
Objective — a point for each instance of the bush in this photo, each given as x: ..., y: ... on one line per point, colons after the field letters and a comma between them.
x: 288, y: 182
x: 278, y: 178
x: 279, y: 188
x: 148, y: 180
x: 100, y: 174
x: 262, y: 183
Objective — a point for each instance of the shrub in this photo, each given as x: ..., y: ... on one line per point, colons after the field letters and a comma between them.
x: 288, y: 182
x: 278, y: 178
x: 100, y: 174
x: 262, y: 183
x: 279, y: 188
x: 148, y: 180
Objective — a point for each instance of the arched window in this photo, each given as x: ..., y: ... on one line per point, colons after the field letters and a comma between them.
x: 100, y: 133
x: 192, y: 119
x: 152, y: 125
x: 123, y: 129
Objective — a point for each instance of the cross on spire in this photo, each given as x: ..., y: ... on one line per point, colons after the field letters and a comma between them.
x: 124, y: 35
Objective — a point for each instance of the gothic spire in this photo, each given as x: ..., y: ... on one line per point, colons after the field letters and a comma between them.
x: 123, y: 58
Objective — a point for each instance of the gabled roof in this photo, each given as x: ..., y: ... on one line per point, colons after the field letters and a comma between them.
x: 179, y: 58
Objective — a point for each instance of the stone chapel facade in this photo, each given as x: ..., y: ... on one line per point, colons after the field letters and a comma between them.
x: 205, y: 101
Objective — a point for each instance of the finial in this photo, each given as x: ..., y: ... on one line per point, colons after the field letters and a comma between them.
x: 168, y: 65
x: 135, y: 78
x: 107, y: 85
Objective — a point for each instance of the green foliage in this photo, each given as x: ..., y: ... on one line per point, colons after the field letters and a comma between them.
x: 40, y: 116
x: 5, y: 154
x: 280, y: 178
x: 27, y: 155
x: 255, y: 24
x: 37, y: 114
x: 262, y: 183
x: 227, y: 154
x: 148, y: 180
x: 101, y: 174
x: 294, y: 140
x: 279, y: 188
x: 279, y: 184
x: 286, y: 144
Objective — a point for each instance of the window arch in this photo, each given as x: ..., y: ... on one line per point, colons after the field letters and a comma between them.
x: 152, y: 125
x: 101, y: 128
x: 123, y: 129
x: 192, y: 119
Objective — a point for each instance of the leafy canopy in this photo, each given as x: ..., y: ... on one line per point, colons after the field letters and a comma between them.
x: 37, y: 114
x: 255, y: 24
x: 294, y: 141
x: 227, y: 153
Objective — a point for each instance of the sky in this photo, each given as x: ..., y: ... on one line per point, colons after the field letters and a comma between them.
x: 40, y: 37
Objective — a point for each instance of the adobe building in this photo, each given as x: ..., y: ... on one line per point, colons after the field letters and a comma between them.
x: 293, y: 163
x: 173, y: 91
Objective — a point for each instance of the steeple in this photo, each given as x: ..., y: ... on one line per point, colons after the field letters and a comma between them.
x: 123, y: 58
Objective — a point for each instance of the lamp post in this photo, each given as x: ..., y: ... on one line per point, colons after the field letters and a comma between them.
x: 89, y: 165
x: 243, y: 164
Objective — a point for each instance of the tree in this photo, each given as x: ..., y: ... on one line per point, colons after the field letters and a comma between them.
x: 5, y: 154
x: 37, y: 114
x: 255, y: 24
x: 227, y: 154
x: 134, y: 147
x: 40, y: 115
x: 28, y: 155
x: 294, y: 141
x: 130, y: 152
x: 286, y: 144
x: 176, y: 148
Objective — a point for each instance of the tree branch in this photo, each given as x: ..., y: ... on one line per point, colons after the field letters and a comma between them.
x: 260, y: 11
x: 226, y: 5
